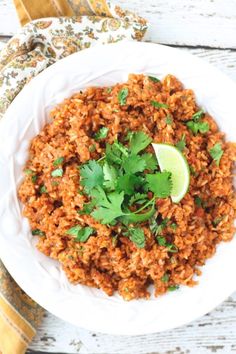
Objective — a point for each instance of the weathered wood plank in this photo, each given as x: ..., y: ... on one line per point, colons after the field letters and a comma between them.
x: 187, y: 22
x: 215, y: 332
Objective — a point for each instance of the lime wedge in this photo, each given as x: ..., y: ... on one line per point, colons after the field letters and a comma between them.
x: 172, y: 160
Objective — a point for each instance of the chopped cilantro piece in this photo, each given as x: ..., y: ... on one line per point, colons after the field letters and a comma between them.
x: 122, y: 96
x: 198, y: 115
x: 28, y: 171
x: 154, y: 79
x: 37, y: 232
x: 160, y: 183
x: 138, y: 198
x: 173, y: 287
x: 43, y: 189
x: 101, y: 134
x: 91, y: 175
x: 165, y: 278
x: 159, y: 104
x: 81, y: 234
x: 161, y: 241
x: 181, y: 144
x: 169, y: 119
x: 58, y: 161
x: 109, y: 89
x: 174, y: 226
x: 57, y: 172
x: 127, y: 183
x: 198, y: 201
x: 216, y: 153
x: 136, y: 235
x: 195, y: 127
x: 192, y: 170
x: 34, y: 178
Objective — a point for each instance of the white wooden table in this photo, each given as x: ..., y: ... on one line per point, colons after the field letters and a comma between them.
x: 206, y: 28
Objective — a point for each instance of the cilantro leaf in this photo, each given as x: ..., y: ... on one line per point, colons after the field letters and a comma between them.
x: 136, y: 235
x: 198, y: 201
x: 173, y: 226
x: 160, y: 184
x: 150, y: 160
x: 161, y: 241
x: 156, y: 228
x: 101, y: 134
x: 91, y: 175
x: 127, y: 183
x: 110, y: 176
x: 109, y: 206
x: 28, y: 171
x: 169, y: 119
x: 58, y: 161
x: 37, y: 232
x: 216, y: 153
x: 58, y: 172
x: 138, y: 142
x: 198, y: 115
x: 138, y: 198
x: 34, y: 178
x: 43, y: 189
x: 165, y: 278
x: 87, y: 208
x: 154, y: 79
x: 159, y: 104
x: 81, y: 234
x: 133, y: 164
x: 122, y: 96
x: 173, y: 287
x: 181, y: 144
x: 195, y: 127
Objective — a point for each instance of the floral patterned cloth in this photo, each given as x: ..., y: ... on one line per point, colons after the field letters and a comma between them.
x: 38, y: 45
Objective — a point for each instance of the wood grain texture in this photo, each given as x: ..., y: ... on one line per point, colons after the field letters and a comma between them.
x: 210, y: 23
x: 213, y: 333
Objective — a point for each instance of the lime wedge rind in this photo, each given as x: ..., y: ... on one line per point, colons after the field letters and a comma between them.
x: 172, y: 160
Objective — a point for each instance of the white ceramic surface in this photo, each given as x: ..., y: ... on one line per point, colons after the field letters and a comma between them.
x: 43, y: 278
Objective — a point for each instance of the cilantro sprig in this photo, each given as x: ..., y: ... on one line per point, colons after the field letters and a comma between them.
x: 123, y: 185
x: 196, y: 125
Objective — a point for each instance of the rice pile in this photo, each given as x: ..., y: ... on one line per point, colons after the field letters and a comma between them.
x: 203, y: 218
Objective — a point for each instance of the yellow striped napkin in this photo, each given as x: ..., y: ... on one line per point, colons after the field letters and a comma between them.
x: 64, y: 27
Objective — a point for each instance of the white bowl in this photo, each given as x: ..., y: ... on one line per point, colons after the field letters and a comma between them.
x: 41, y: 277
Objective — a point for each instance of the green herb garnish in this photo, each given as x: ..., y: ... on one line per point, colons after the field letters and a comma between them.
x: 154, y: 79
x: 92, y: 175
x: 165, y: 278
x: 196, y: 124
x: 216, y: 153
x: 34, y: 178
x: 43, y: 189
x: 80, y: 233
x: 101, y: 134
x: 169, y: 119
x: 181, y: 144
x: 37, y: 232
x: 58, y: 161
x: 198, y: 201
x: 174, y: 226
x: 160, y: 184
x: 159, y: 104
x: 58, y: 172
x: 122, y: 96
x: 173, y: 287
x: 136, y: 235
x: 28, y: 171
